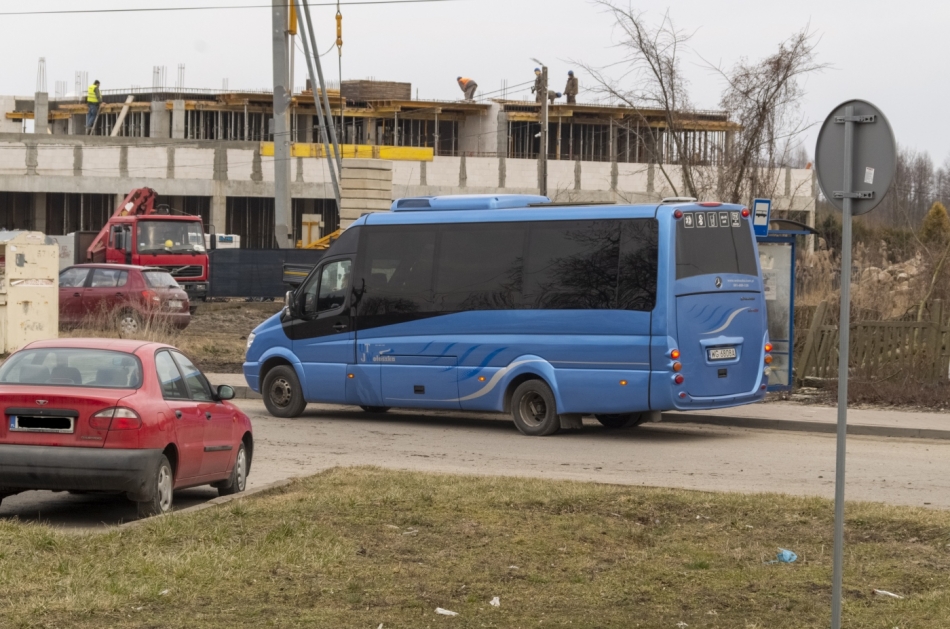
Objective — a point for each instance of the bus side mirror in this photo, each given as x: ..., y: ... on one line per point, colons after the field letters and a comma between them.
x: 289, y: 303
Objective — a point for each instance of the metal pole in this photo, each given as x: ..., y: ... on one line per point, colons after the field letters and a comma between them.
x: 543, y: 157
x: 322, y: 121
x: 844, y: 334
x: 283, y: 213
x: 323, y: 85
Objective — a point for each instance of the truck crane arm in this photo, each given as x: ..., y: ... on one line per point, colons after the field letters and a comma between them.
x: 140, y: 201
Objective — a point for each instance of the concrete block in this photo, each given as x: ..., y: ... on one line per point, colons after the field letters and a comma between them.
x: 365, y: 184
x: 368, y: 194
x: 366, y: 173
x: 178, y: 119
x: 370, y: 164
x: 41, y: 113
x: 160, y: 121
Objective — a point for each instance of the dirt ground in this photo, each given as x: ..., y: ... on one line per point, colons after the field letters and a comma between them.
x: 217, y: 337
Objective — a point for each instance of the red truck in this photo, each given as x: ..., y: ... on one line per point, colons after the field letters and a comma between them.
x: 142, y: 234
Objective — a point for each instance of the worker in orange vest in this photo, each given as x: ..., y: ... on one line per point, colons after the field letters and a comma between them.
x: 468, y: 86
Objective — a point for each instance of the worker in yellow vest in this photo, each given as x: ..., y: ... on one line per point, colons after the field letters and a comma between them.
x: 93, y: 100
x: 468, y: 86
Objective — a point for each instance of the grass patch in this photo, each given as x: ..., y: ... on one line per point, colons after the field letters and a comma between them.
x: 359, y: 547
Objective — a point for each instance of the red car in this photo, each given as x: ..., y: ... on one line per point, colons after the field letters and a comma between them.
x: 121, y: 295
x: 125, y: 416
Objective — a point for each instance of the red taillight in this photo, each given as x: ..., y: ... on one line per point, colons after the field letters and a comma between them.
x: 151, y: 295
x: 116, y: 418
x: 768, y: 347
x: 745, y: 213
x: 678, y: 214
x: 709, y: 204
x: 675, y: 354
x: 679, y: 379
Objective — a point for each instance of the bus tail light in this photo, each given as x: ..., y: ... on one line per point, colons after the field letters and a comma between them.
x: 768, y: 348
x: 677, y: 366
x: 745, y: 212
x: 679, y: 379
x: 678, y: 214
x: 768, y: 359
x: 675, y: 354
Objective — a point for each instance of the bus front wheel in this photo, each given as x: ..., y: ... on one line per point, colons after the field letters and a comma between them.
x: 534, y: 410
x: 615, y: 422
x: 282, y: 393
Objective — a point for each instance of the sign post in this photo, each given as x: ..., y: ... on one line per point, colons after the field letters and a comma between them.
x: 761, y: 215
x: 855, y: 139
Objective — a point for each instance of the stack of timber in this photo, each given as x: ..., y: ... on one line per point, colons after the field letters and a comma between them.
x: 376, y: 90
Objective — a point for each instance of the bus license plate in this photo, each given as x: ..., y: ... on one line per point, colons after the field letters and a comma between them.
x: 722, y: 353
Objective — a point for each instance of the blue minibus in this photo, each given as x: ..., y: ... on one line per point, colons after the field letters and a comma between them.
x: 509, y: 303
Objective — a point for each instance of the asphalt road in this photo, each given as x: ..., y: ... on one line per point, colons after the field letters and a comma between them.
x: 892, y: 470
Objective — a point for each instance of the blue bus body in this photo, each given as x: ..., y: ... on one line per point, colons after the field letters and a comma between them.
x: 436, y: 308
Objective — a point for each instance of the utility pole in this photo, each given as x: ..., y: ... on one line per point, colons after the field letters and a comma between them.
x: 543, y: 153
x: 283, y: 212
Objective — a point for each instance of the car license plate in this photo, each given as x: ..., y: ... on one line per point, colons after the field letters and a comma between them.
x: 722, y: 353
x: 174, y: 304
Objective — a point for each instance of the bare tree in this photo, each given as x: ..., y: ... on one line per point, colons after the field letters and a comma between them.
x: 764, y: 99
x: 651, y: 83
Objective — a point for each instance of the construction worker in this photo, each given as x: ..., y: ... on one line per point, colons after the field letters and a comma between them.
x: 570, y: 90
x: 93, y: 100
x: 538, y: 88
x: 468, y: 86
x: 552, y: 96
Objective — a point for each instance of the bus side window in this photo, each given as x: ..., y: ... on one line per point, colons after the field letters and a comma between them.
x: 327, y: 289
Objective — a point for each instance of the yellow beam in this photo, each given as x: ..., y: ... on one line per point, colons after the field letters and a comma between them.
x: 360, y: 151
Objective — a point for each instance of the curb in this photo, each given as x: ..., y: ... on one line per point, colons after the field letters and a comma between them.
x: 764, y: 423
x: 220, y: 500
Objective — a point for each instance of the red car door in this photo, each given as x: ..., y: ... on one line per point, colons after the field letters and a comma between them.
x: 72, y: 285
x: 189, y: 421
x: 219, y: 422
x: 106, y: 293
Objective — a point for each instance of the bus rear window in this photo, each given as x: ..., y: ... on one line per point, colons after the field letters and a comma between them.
x: 714, y: 243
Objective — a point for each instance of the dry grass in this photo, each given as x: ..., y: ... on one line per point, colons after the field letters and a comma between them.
x: 360, y: 547
x: 216, y: 339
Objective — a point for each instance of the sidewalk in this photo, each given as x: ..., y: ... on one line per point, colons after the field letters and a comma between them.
x: 773, y: 416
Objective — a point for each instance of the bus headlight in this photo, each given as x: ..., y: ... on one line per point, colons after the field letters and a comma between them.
x: 250, y: 340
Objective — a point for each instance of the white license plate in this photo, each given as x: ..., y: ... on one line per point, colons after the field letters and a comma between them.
x: 174, y: 304
x: 722, y: 353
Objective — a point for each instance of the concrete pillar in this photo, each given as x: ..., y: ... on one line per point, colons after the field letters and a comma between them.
x: 8, y: 104
x: 160, y: 121
x: 305, y: 129
x: 219, y: 209
x: 77, y: 125
x: 178, y: 203
x: 41, y: 113
x: 366, y: 185
x: 369, y: 131
x: 39, y: 212
x: 178, y: 119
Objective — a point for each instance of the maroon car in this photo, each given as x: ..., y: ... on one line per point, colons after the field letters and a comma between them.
x: 121, y: 295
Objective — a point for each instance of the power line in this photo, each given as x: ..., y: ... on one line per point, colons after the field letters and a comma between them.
x: 213, y: 8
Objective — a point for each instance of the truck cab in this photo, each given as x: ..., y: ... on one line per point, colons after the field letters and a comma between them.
x: 138, y: 234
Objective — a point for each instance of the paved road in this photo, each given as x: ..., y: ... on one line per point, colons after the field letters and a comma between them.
x: 894, y: 470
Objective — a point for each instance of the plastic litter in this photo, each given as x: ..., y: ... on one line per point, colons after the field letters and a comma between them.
x: 495, y: 602
x: 164, y: 593
x: 886, y: 593
x: 681, y: 624
x: 445, y: 612
x: 784, y: 556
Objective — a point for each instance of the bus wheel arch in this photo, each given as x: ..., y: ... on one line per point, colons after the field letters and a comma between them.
x: 516, y: 382
x: 534, y: 408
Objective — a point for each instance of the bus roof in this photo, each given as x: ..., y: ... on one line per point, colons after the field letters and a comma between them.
x: 467, y: 202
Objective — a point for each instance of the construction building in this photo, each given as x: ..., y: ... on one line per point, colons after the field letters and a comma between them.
x: 211, y: 153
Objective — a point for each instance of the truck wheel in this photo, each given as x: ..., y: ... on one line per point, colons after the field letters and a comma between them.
x: 128, y: 323
x: 616, y: 422
x: 375, y: 409
x: 282, y: 393
x: 163, y: 484
x: 238, y: 480
x: 534, y: 410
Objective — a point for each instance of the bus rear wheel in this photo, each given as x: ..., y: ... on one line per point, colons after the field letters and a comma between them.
x: 534, y: 410
x: 616, y: 422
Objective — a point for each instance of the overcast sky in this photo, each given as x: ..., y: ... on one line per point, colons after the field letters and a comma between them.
x: 893, y: 54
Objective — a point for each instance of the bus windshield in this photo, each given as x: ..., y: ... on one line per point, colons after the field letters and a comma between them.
x: 714, y: 243
x: 170, y: 237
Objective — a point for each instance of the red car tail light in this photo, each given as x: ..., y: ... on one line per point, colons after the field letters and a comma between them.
x: 116, y: 418
x: 152, y: 296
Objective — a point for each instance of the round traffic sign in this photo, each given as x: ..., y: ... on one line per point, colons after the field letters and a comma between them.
x: 873, y: 157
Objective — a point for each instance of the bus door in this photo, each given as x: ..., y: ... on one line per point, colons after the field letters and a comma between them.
x: 323, y: 334
x: 720, y: 311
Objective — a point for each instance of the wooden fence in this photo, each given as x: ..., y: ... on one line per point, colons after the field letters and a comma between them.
x: 879, y: 349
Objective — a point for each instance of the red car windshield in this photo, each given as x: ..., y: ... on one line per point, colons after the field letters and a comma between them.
x: 91, y: 368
